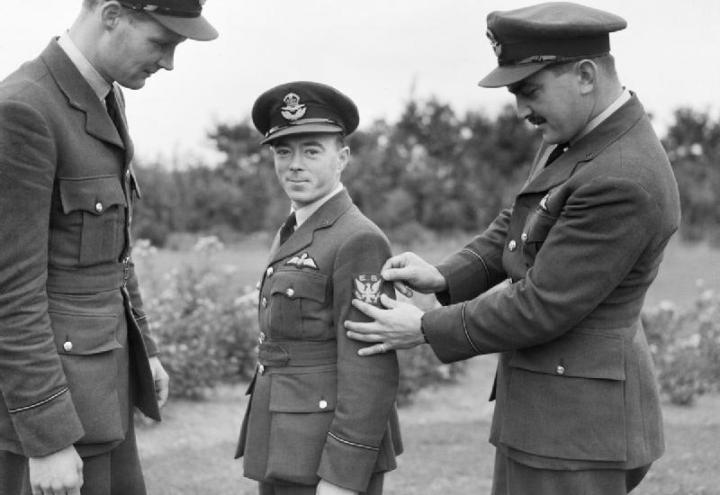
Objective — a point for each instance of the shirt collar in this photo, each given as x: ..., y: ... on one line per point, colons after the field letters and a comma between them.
x: 305, y: 212
x: 98, y: 84
x: 599, y: 119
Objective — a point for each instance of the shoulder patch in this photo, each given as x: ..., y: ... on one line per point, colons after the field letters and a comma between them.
x: 367, y: 287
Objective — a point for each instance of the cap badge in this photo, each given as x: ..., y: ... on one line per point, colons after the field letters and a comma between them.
x: 494, y: 43
x: 367, y: 287
x: 293, y: 109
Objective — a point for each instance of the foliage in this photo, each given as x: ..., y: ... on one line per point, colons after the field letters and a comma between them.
x: 693, y: 145
x: 205, y: 326
x: 686, y: 347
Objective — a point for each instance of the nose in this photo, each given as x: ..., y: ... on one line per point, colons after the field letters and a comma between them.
x: 296, y: 161
x: 522, y: 108
x: 167, y: 61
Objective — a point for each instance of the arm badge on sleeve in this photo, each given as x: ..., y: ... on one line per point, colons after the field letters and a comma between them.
x: 367, y: 288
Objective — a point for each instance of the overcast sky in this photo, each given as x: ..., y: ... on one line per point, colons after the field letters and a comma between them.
x: 379, y: 52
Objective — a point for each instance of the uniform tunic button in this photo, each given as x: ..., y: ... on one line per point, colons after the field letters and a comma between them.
x: 512, y: 245
x: 264, y: 302
x: 269, y: 272
x: 68, y: 346
x: 99, y: 207
x: 261, y: 369
x: 290, y: 292
x: 322, y: 404
x: 560, y: 370
x: 523, y: 237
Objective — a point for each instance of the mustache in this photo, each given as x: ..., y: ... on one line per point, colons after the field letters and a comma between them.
x: 535, y: 119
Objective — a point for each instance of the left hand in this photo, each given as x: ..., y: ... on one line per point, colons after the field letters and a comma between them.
x: 161, y: 379
x: 397, y: 327
x: 327, y: 488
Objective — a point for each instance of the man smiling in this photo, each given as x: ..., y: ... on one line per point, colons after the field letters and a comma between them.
x: 321, y: 419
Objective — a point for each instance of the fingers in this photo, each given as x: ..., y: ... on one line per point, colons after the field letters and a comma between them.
x: 370, y: 310
x: 403, y: 288
x: 388, y: 301
x: 373, y: 349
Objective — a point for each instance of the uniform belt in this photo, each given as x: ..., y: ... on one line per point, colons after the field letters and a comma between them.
x: 83, y: 280
x: 289, y: 353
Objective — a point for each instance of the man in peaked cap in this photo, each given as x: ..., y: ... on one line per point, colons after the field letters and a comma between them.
x: 76, y: 350
x: 321, y: 419
x: 577, y: 407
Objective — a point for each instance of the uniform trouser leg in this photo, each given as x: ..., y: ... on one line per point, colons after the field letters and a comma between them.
x: 375, y: 487
x: 14, y: 474
x: 117, y: 472
x: 513, y: 478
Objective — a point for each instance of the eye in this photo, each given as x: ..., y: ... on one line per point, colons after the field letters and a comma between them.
x: 312, y: 152
x: 282, y: 152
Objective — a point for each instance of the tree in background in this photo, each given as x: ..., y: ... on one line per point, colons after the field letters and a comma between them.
x: 431, y: 171
x: 693, y: 145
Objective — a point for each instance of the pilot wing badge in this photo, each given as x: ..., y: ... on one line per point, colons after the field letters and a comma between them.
x: 367, y: 288
x: 302, y: 261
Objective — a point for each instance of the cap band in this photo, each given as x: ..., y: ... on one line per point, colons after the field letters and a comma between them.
x: 304, y: 122
x: 142, y: 6
x: 529, y: 51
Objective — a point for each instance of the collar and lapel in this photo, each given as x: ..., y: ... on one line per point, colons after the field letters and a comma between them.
x: 81, y: 97
x: 587, y: 148
x: 323, y: 218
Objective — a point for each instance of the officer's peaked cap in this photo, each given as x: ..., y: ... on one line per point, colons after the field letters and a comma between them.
x: 183, y: 17
x: 303, y: 107
x: 529, y: 39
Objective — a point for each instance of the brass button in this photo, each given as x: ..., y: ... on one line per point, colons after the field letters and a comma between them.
x: 127, y: 174
x: 68, y: 346
x: 512, y: 245
x: 269, y: 272
x: 322, y: 404
x: 523, y: 237
x: 264, y: 302
x: 261, y: 369
x: 258, y: 285
x: 99, y: 207
x: 560, y: 370
x: 290, y: 292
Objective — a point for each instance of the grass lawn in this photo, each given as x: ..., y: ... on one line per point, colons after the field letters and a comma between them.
x: 445, y: 430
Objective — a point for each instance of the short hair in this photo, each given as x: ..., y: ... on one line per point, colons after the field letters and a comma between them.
x: 606, y: 63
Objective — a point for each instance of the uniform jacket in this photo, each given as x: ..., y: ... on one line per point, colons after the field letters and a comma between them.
x: 581, y: 244
x: 318, y: 410
x: 67, y: 285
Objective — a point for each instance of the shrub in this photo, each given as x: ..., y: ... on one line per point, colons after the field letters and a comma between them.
x: 206, y: 327
x: 686, y: 347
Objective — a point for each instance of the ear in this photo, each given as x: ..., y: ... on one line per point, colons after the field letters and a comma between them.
x: 110, y: 13
x: 587, y: 72
x: 343, y: 158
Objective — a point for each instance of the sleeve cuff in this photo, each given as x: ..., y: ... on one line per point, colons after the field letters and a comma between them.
x: 347, y: 464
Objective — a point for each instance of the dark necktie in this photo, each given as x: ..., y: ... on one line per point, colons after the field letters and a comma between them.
x: 288, y: 228
x: 559, y: 150
x: 113, y: 110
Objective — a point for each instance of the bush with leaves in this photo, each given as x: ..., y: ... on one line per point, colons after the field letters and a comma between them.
x: 206, y: 327
x: 686, y: 347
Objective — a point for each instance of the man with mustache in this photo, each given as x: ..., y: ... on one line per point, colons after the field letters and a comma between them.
x: 577, y: 407
x: 75, y: 344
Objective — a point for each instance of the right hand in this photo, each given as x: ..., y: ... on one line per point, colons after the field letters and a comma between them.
x: 60, y: 473
x: 410, y: 272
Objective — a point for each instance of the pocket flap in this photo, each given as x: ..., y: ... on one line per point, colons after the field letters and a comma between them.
x: 302, y: 284
x: 576, y: 354
x: 303, y: 393
x: 84, y: 334
x: 94, y: 195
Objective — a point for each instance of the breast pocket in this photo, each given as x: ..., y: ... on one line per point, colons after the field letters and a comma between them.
x: 536, y: 229
x: 298, y: 305
x: 99, y: 203
x: 86, y: 345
